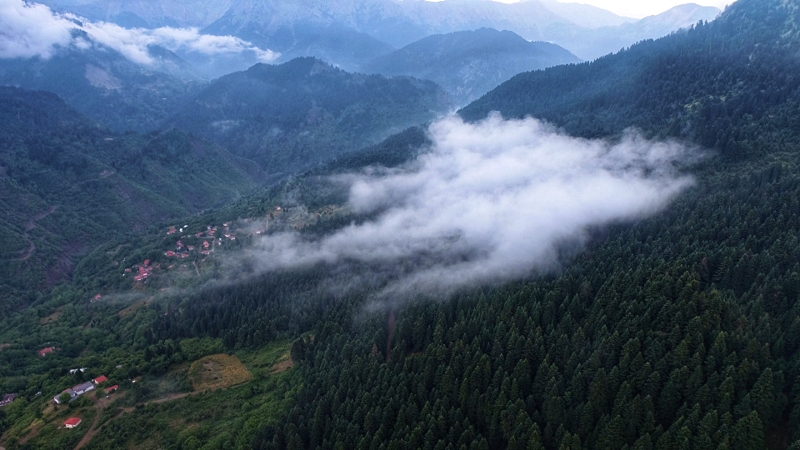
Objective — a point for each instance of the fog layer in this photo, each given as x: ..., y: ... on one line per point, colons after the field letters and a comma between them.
x: 490, y: 202
x: 30, y: 30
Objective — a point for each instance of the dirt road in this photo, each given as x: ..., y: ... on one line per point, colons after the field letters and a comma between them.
x: 28, y: 228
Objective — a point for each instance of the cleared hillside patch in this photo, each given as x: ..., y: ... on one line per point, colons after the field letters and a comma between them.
x: 218, y: 371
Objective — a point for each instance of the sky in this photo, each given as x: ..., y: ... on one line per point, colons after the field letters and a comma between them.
x: 642, y: 8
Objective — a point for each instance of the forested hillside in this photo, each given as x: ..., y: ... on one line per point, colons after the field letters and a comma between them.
x: 69, y: 184
x: 676, y: 331
x: 729, y: 85
x: 107, y: 87
x: 305, y: 112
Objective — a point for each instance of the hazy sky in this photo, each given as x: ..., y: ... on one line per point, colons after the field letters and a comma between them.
x: 642, y: 8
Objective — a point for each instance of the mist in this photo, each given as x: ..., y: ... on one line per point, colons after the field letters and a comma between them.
x: 33, y: 30
x: 489, y: 202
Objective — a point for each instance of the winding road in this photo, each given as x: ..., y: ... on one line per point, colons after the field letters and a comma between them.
x: 28, y: 228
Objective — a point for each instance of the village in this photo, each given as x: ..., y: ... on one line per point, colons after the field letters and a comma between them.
x: 192, y: 247
x: 183, y: 252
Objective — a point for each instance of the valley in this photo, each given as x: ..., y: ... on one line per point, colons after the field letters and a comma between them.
x: 320, y: 251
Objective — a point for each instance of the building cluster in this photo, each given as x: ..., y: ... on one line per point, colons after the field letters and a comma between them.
x: 78, y: 390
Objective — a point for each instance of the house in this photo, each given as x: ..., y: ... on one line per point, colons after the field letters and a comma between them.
x: 170, y: 254
x: 83, y: 388
x: 100, y: 379
x: 45, y: 351
x: 73, y: 422
x: 112, y: 389
x: 7, y: 399
x: 72, y: 396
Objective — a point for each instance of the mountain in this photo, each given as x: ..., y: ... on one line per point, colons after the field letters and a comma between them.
x: 69, y: 184
x: 470, y: 63
x: 678, y: 330
x: 105, y: 86
x: 590, y: 44
x: 350, y: 33
x: 708, y: 84
x: 347, y: 33
x: 304, y: 112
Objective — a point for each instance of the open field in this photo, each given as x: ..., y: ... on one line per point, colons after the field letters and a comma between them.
x: 218, y: 371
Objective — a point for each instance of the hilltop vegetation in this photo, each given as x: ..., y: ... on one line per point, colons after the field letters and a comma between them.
x: 305, y: 112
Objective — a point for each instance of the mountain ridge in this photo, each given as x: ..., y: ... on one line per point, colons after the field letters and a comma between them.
x: 470, y: 63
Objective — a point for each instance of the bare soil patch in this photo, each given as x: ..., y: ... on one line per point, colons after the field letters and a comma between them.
x: 282, y: 366
x: 218, y: 371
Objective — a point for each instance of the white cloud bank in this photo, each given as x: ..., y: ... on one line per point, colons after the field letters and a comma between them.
x: 491, y: 201
x: 29, y: 30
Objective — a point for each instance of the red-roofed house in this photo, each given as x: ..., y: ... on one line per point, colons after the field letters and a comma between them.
x: 73, y: 422
x: 45, y: 351
x: 100, y: 379
x: 112, y: 389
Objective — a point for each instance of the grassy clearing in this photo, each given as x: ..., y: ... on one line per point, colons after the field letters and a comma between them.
x: 135, y: 306
x: 218, y: 371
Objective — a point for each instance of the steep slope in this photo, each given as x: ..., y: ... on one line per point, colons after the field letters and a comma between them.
x: 728, y: 85
x: 104, y: 85
x: 69, y: 184
x: 590, y: 44
x: 304, y: 112
x: 470, y: 63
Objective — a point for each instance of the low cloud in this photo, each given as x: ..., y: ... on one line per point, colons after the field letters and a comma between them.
x: 33, y: 30
x: 28, y: 30
x: 490, y: 202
